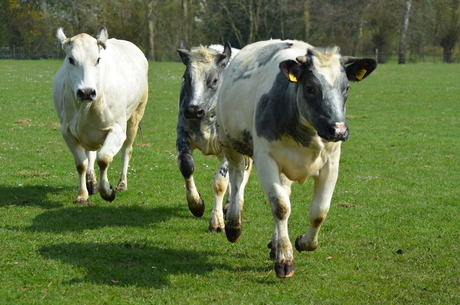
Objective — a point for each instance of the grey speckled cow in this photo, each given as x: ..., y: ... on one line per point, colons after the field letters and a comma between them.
x: 196, y: 125
x: 283, y: 104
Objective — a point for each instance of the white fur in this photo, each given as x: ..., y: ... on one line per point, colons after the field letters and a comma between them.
x: 109, y: 122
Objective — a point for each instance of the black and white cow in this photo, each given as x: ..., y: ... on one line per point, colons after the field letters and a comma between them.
x: 196, y: 126
x: 283, y: 103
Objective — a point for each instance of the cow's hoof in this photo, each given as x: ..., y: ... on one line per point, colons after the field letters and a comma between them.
x: 307, y: 247
x: 121, y: 187
x: 233, y: 233
x: 83, y: 202
x: 110, y: 197
x: 216, y: 229
x: 197, y: 209
x: 284, y: 270
x: 272, y: 251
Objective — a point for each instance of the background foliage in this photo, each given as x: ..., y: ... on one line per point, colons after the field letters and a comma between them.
x: 359, y: 27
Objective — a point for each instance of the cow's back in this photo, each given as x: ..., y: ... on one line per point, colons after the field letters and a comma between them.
x: 126, y: 72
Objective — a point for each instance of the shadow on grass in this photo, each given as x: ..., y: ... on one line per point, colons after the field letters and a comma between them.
x: 129, y: 265
x: 80, y: 218
x: 31, y: 195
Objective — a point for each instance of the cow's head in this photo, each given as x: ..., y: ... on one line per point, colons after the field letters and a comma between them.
x: 204, y: 67
x: 84, y: 55
x: 321, y: 78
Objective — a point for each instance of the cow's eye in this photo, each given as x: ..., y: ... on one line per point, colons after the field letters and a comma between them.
x: 98, y: 61
x: 311, y: 90
x: 214, y: 82
x: 71, y: 61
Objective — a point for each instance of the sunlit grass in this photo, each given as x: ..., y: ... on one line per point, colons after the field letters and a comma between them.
x: 391, y: 236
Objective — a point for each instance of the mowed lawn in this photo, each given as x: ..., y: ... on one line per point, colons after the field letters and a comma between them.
x: 392, y: 235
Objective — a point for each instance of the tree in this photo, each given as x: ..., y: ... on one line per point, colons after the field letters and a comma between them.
x: 448, y: 26
x: 405, y: 26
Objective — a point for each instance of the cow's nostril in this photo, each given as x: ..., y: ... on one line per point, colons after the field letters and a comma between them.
x: 86, y: 94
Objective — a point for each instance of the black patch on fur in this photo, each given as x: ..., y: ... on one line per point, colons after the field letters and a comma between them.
x: 243, y: 144
x: 277, y: 114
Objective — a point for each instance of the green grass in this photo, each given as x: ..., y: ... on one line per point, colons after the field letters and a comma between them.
x: 399, y: 177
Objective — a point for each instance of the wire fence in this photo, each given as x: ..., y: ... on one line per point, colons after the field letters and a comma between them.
x: 13, y: 52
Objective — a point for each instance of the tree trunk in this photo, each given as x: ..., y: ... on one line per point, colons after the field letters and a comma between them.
x: 448, y: 53
x: 405, y: 25
x: 306, y: 13
x: 151, y: 34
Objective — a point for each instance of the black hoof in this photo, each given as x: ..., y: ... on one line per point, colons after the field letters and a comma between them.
x: 284, y: 270
x: 233, y: 233
x: 111, y: 197
x: 198, y: 209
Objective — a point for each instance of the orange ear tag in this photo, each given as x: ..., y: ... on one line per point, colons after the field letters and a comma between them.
x: 292, y: 78
x: 360, y: 74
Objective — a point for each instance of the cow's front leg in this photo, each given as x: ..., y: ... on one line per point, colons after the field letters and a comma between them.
x: 277, y: 191
x: 324, y: 185
x: 219, y: 186
x: 112, y: 144
x: 187, y: 166
x: 81, y: 164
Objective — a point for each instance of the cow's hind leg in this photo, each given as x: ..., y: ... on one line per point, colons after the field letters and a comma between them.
x: 186, y: 166
x: 91, y: 180
x: 127, y: 148
x: 219, y: 186
x: 233, y: 226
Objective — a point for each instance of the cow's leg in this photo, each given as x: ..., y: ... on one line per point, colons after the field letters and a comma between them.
x: 81, y: 164
x: 127, y: 148
x: 219, y: 186
x: 91, y: 180
x: 275, y: 188
x: 237, y: 183
x: 112, y: 144
x: 186, y: 167
x: 286, y: 183
x: 323, y: 189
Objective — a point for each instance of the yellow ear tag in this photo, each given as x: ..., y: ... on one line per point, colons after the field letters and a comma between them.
x: 360, y: 74
x: 292, y: 78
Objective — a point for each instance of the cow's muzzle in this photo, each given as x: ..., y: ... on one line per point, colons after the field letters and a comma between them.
x: 195, y: 113
x: 86, y: 94
x: 339, y: 132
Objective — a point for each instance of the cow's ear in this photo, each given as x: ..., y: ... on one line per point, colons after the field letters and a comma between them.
x: 360, y: 69
x: 224, y: 58
x: 291, y: 69
x: 228, y: 49
x: 184, y: 55
x: 61, y: 37
x: 102, y: 37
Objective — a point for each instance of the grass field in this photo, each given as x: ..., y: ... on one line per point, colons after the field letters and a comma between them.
x: 391, y: 237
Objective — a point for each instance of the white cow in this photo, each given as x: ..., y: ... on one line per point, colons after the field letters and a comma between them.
x: 283, y: 103
x: 100, y: 94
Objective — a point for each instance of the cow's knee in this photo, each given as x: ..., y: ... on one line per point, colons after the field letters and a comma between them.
x: 186, y: 165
